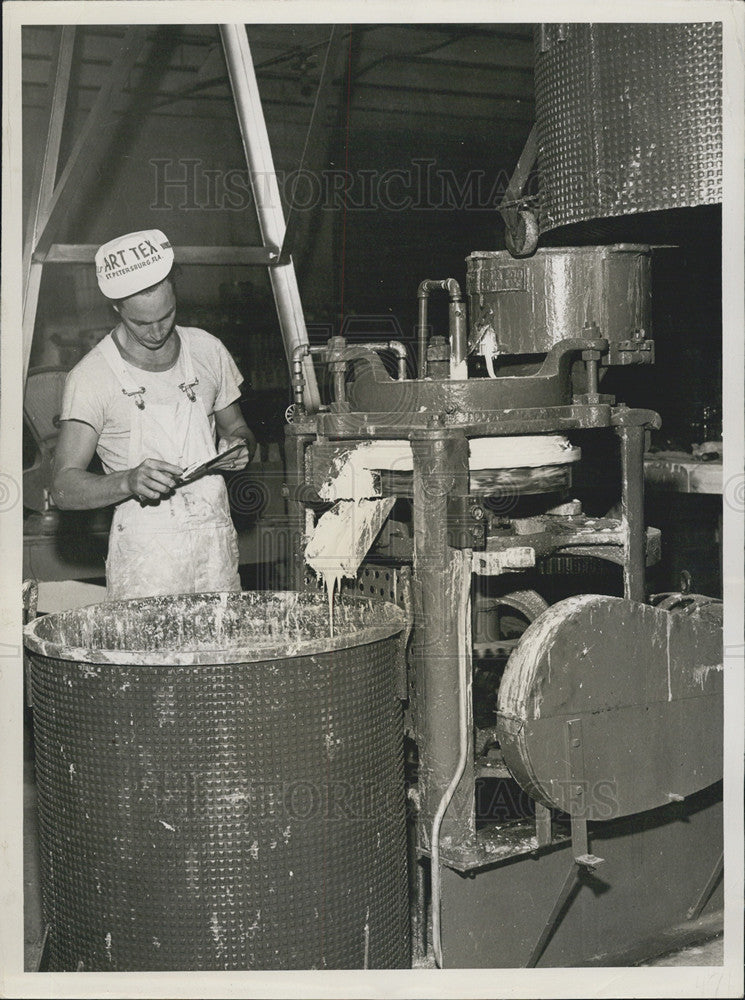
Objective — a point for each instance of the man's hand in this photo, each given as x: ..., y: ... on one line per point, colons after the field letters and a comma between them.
x: 74, y: 488
x: 153, y: 479
x: 238, y: 460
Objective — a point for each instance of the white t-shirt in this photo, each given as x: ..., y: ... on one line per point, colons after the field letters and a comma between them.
x: 93, y: 393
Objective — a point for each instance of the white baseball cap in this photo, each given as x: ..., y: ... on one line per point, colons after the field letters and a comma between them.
x: 130, y: 263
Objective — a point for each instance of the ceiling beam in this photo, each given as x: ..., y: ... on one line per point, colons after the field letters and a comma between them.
x: 239, y: 256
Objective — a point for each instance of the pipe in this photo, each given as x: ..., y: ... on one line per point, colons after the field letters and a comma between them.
x: 457, y: 320
x: 422, y: 333
x: 458, y: 338
x: 299, y: 353
x: 440, y: 472
x: 465, y: 686
x: 339, y: 355
x: 340, y: 381
x: 632, y: 512
x: 265, y: 190
x: 390, y: 345
x: 592, y: 376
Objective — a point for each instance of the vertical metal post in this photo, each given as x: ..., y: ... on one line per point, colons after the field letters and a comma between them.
x: 420, y: 908
x: 45, y: 189
x: 440, y: 470
x: 266, y: 195
x: 422, y: 332
x: 632, y: 511
x: 295, y: 445
x: 458, y: 334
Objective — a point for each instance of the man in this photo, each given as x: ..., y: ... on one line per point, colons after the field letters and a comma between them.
x: 149, y: 398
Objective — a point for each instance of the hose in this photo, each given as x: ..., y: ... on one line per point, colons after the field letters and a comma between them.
x: 464, y: 713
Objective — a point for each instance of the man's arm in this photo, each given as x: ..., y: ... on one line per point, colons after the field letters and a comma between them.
x: 233, y: 429
x: 74, y: 488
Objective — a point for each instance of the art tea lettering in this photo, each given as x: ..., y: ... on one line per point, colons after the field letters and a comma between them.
x: 130, y: 257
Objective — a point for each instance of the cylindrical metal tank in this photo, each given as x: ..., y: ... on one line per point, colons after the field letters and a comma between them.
x: 534, y: 302
x: 221, y: 784
x: 629, y: 119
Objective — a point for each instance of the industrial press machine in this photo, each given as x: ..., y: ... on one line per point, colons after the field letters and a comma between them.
x: 563, y: 724
x: 593, y: 718
x: 608, y: 710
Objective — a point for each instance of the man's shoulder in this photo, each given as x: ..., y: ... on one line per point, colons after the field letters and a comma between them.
x: 91, y: 365
x: 200, y: 338
x: 206, y: 349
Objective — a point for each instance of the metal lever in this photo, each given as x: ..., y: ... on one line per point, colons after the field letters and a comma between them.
x: 695, y: 911
x: 584, y: 863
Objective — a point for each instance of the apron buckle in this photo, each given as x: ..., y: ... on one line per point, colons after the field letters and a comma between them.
x: 187, y: 388
x: 137, y: 393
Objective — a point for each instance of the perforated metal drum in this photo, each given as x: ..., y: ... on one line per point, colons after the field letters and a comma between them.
x: 221, y: 784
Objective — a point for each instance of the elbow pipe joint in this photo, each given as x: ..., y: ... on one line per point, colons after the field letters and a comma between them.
x: 299, y: 353
x: 457, y: 320
x: 395, y: 347
x: 449, y: 285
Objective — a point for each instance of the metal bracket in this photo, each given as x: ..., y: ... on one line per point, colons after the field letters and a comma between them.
x: 584, y: 863
x: 695, y: 911
x: 494, y: 562
x: 631, y: 352
x: 521, y: 227
x: 42, y: 964
x: 466, y: 523
x: 543, y: 831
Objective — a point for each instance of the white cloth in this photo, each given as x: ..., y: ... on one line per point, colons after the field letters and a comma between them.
x: 184, y: 543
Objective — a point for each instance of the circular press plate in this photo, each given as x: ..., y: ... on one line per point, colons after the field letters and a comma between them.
x: 609, y: 707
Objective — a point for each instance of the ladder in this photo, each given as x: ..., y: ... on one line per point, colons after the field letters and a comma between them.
x: 50, y: 204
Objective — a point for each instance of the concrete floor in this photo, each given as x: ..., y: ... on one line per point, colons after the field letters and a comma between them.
x: 708, y: 953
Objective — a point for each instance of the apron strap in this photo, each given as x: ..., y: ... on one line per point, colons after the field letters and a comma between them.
x: 115, y: 361
x: 123, y: 372
x: 190, y: 380
x: 186, y: 356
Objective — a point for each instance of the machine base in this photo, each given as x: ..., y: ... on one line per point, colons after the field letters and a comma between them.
x: 657, y: 865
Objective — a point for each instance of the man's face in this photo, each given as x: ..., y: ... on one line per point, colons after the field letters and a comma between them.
x: 149, y: 317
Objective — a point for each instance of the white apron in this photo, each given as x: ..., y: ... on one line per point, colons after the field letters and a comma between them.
x: 185, y: 543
